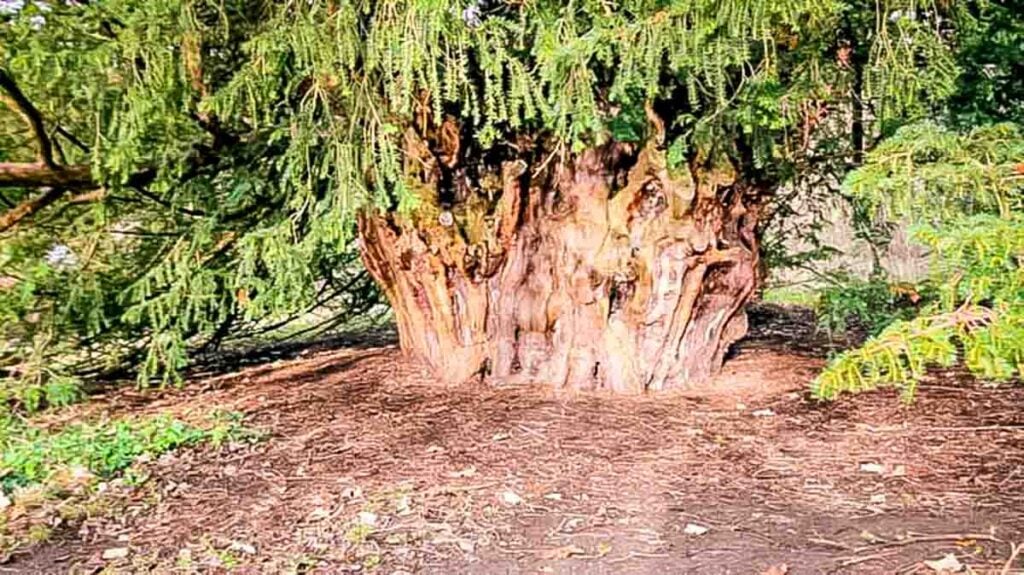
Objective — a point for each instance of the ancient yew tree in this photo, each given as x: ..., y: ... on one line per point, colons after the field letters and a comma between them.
x: 565, y: 193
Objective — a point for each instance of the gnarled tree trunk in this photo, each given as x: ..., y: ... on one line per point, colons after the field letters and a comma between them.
x: 591, y: 270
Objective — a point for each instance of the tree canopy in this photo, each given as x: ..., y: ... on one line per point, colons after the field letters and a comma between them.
x: 957, y: 178
x: 175, y: 173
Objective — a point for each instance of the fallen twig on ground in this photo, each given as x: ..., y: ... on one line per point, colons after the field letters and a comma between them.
x: 1015, y: 549
x: 849, y: 561
x: 914, y: 540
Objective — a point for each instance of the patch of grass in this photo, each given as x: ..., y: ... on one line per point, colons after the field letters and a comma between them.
x: 39, y: 388
x: 51, y: 476
x: 843, y: 301
x: 873, y: 303
x: 791, y: 295
x: 33, y: 455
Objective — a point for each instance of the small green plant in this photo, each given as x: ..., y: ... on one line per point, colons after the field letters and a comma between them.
x: 226, y: 558
x: 184, y: 561
x: 788, y: 295
x: 33, y: 455
x: 229, y: 427
x: 871, y: 304
x: 371, y: 561
x: 134, y: 477
x: 37, y: 388
x: 39, y: 533
x: 54, y: 471
x: 301, y: 564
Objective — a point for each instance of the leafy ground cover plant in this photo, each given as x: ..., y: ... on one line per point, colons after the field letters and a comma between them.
x: 52, y: 477
x: 33, y: 455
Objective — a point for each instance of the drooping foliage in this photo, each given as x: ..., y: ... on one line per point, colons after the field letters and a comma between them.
x: 990, y: 56
x: 175, y: 173
x: 956, y: 177
x: 963, y: 192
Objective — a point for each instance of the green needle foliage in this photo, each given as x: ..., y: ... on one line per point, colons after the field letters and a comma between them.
x: 963, y: 191
x: 872, y: 304
x: 990, y: 56
x: 222, y: 150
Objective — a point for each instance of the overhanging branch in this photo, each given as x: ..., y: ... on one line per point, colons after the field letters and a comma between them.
x: 15, y: 99
x: 29, y: 207
x: 26, y: 175
x: 54, y: 181
x: 52, y: 178
x: 72, y: 138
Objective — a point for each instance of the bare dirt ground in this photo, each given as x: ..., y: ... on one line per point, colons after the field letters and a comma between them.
x: 368, y: 466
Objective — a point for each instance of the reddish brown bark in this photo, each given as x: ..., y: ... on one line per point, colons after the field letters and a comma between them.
x: 565, y: 280
x: 56, y: 180
x: 29, y: 175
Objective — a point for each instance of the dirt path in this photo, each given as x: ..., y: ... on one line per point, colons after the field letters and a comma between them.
x: 369, y: 467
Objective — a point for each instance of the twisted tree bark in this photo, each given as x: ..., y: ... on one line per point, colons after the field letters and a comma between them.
x: 593, y: 270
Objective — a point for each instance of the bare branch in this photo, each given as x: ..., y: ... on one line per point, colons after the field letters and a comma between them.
x: 60, y: 152
x: 29, y: 207
x: 71, y: 138
x: 16, y: 100
x: 29, y: 175
x: 53, y: 181
x: 142, y: 191
x: 96, y: 195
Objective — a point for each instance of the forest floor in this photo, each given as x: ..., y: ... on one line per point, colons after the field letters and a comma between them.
x: 369, y: 466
